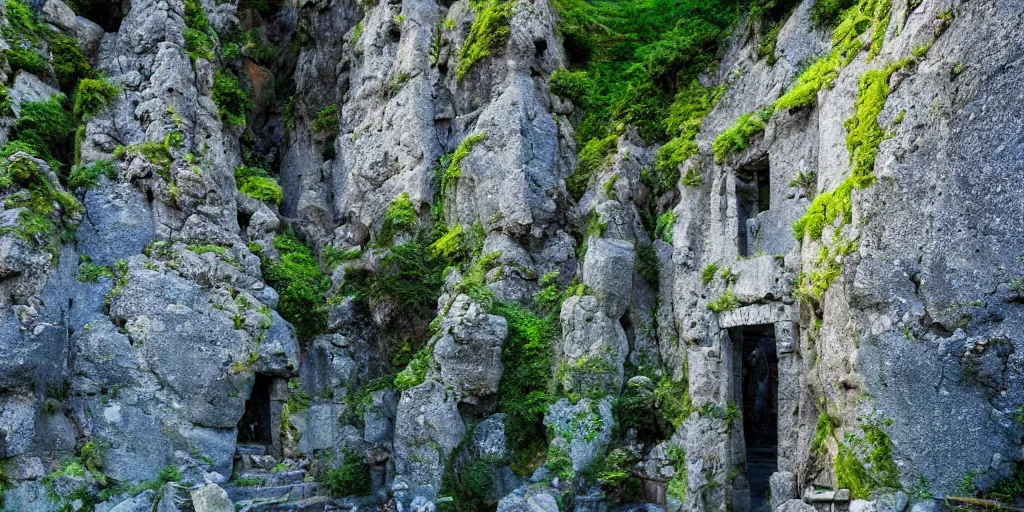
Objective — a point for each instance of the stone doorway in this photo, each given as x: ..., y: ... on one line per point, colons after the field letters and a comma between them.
x: 757, y: 390
x: 256, y: 425
x: 753, y: 197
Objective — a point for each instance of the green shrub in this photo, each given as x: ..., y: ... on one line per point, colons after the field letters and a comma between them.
x: 470, y: 487
x: 23, y: 23
x: 559, y: 463
x: 683, y: 124
x: 264, y: 189
x: 45, y: 127
x: 824, y: 430
x: 199, y: 35
x: 488, y: 34
x: 665, y: 225
x: 27, y: 59
x: 401, y: 217
x: 416, y: 371
x: 94, y: 94
x: 87, y: 176
x: 232, y: 102
x: 570, y: 84
x: 91, y: 273
x: 351, y: 478
x: 826, y: 13
x: 865, y: 464
x: 709, y: 273
x: 301, y: 285
x: 737, y: 137
x: 591, y: 158
x: 525, y: 390
x: 453, y: 172
x: 725, y: 302
x: 326, y: 120
x: 69, y: 64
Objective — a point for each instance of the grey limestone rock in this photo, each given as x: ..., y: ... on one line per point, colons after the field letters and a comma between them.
x: 211, y: 498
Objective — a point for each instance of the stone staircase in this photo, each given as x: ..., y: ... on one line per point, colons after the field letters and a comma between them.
x: 262, y: 482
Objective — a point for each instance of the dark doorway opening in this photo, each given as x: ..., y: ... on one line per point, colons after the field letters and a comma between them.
x: 255, y: 425
x: 760, y: 384
x: 753, y: 196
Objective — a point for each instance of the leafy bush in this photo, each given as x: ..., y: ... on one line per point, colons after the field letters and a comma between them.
x: 470, y: 487
x: 301, y: 285
x: 570, y: 84
x: 264, y: 189
x: 724, y: 302
x: 87, y: 176
x: 351, y: 478
x: 27, y: 59
x: 416, y: 371
x: 326, y: 120
x: 232, y: 102
x: 69, y: 64
x: 93, y: 95
x: 401, y: 217
x: 45, y: 127
x: 826, y: 12
x: 199, y: 35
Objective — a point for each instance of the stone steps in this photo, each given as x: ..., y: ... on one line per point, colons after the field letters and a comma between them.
x: 288, y: 492
x: 313, y: 504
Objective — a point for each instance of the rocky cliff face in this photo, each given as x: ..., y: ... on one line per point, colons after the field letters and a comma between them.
x: 419, y: 255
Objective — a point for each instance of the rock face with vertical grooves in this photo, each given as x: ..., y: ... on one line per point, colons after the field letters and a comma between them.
x: 510, y: 255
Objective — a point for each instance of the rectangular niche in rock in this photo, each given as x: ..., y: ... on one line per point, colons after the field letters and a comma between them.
x: 753, y: 196
x: 756, y: 383
x: 256, y: 426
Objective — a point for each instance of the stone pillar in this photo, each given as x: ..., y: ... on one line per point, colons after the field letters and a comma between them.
x: 786, y: 344
x: 278, y: 396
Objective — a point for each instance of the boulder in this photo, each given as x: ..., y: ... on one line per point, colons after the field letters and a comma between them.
x: 211, y: 498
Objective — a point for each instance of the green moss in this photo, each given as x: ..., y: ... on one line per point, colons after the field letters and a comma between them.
x: 301, y: 284
x: 69, y: 64
x: 685, y: 119
x: 264, y: 189
x: 358, y: 31
x: 819, y: 75
x: 737, y: 137
x: 93, y: 95
x: 709, y: 273
x: 865, y: 463
x: 27, y: 59
x: 45, y: 208
x: 609, y: 188
x: 766, y: 48
x: 863, y: 133
x: 233, y: 103
x: 725, y: 302
x: 416, y: 371
x: 24, y: 24
x: 559, y: 463
x: 488, y: 34
x: 453, y: 171
x: 570, y: 84
x: 824, y: 430
x: 88, y: 176
x: 326, y: 120
x: 591, y: 158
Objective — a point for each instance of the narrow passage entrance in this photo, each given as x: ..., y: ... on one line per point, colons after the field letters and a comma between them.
x: 760, y: 384
x: 255, y: 425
